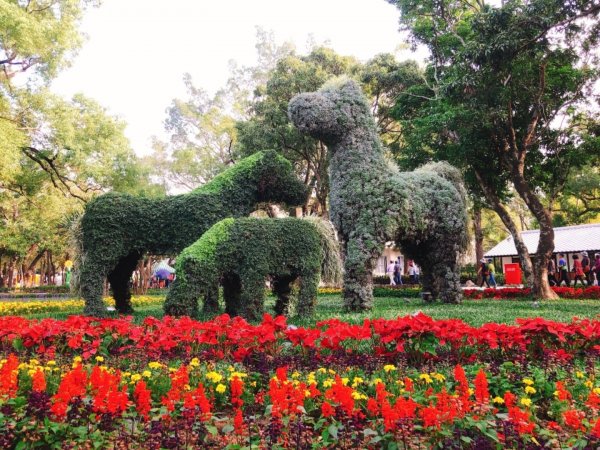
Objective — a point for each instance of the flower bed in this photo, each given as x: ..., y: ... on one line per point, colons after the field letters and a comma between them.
x: 592, y: 292
x: 408, y: 382
x: 25, y: 307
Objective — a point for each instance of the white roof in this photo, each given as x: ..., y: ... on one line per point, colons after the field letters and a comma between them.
x: 571, y: 239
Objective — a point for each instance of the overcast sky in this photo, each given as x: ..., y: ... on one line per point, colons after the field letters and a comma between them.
x: 137, y: 50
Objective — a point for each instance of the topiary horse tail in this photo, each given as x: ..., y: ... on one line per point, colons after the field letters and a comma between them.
x: 331, y: 267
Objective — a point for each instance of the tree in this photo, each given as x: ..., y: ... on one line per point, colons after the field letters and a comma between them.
x: 507, y: 96
x: 201, y: 127
x: 55, y: 154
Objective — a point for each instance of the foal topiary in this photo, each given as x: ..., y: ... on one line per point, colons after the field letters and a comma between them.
x: 423, y: 211
x: 242, y: 253
x: 117, y: 229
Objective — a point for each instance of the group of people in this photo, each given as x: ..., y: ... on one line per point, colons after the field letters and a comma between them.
x: 394, y: 271
x: 486, y: 271
x: 585, y: 271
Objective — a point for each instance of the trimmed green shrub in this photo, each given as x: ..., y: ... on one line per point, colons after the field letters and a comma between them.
x: 423, y: 211
x: 117, y: 229
x: 242, y: 253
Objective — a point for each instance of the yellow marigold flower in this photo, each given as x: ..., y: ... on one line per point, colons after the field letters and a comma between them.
x: 376, y: 381
x: 213, y: 376
x: 597, y: 390
x: 328, y: 383
x: 345, y: 381
x: 77, y: 359
x: 187, y: 387
x: 498, y: 400
x: 389, y: 367
x: 172, y: 369
x: 155, y: 365
x: 51, y: 363
x: 438, y: 377
x: 589, y: 384
x: 525, y: 401
x: 231, y: 368
x: 221, y: 388
x: 135, y: 377
x: 296, y: 374
x: 146, y: 374
x: 530, y: 390
x: 356, y: 381
x: 331, y: 371
x: 579, y: 374
x: 239, y: 375
x: 126, y: 374
x: 30, y: 372
x: 528, y: 381
x: 195, y: 362
x: 306, y: 393
x: 425, y: 377
x: 471, y: 391
x: 99, y: 359
x: 321, y: 370
x: 23, y: 366
x: 34, y: 362
x: 358, y: 396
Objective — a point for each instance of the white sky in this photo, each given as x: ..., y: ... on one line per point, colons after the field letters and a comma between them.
x: 138, y: 50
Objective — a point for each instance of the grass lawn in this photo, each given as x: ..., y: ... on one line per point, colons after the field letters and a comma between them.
x: 474, y: 312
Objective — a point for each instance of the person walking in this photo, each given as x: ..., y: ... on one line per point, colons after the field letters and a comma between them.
x: 596, y: 269
x: 411, y: 272
x: 491, y: 272
x: 578, y: 269
x: 552, y: 272
x: 390, y: 273
x: 398, y: 273
x: 587, y: 268
x: 563, y: 273
x: 483, y: 271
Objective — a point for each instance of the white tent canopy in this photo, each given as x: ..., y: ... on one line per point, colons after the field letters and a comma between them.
x: 573, y: 239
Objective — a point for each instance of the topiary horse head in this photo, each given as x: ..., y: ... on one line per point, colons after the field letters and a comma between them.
x: 242, y: 253
x: 371, y: 202
x: 117, y: 229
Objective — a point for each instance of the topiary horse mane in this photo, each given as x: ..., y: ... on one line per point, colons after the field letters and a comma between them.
x: 423, y: 211
x: 242, y: 253
x: 117, y: 229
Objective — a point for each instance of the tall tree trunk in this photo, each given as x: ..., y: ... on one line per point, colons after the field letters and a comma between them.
x: 478, y: 232
x: 509, y: 223
x: 11, y: 272
x: 541, y: 286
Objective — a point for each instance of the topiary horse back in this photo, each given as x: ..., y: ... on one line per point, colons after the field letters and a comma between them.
x: 242, y: 253
x: 117, y: 229
x: 422, y: 211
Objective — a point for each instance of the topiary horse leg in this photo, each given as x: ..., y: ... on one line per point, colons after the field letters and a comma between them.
x: 358, y: 276
x: 449, y: 281
x: 307, y: 297
x: 252, y: 297
x: 119, y: 282
x: 232, y: 288
x: 91, y: 281
x: 283, y: 290
x: 211, y: 299
x: 182, y: 299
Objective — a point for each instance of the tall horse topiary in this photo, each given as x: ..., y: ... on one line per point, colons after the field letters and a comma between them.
x: 372, y: 202
x: 242, y: 253
x: 117, y: 229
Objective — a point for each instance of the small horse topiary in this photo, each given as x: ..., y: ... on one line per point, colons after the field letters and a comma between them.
x: 242, y: 253
x: 117, y: 229
x: 423, y: 211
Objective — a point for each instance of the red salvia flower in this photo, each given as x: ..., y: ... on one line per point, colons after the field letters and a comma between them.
x: 482, y: 394
x: 9, y: 377
x: 38, y: 381
x: 572, y: 419
x: 143, y: 399
x: 327, y: 410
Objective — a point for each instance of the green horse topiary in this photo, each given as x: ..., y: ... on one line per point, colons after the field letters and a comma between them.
x: 117, y: 229
x: 242, y: 253
x: 371, y: 202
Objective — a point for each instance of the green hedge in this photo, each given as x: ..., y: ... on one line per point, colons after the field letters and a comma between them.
x: 241, y: 254
x: 117, y: 229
